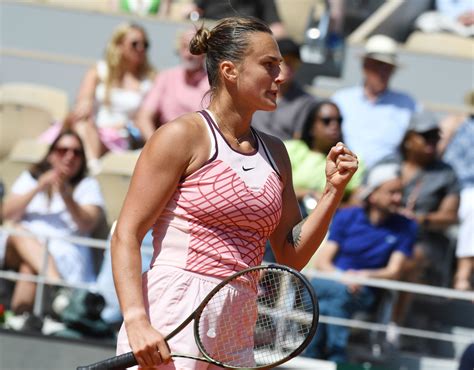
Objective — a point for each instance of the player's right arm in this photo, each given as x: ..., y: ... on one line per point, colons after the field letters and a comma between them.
x: 171, y: 153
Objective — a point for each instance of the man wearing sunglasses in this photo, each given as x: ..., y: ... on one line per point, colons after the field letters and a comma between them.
x: 375, y: 116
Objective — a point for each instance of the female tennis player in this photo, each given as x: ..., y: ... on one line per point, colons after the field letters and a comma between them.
x: 214, y: 190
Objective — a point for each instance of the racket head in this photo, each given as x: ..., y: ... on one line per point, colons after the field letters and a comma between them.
x: 258, y: 318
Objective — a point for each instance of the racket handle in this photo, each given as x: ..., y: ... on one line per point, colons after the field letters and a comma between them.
x: 117, y: 362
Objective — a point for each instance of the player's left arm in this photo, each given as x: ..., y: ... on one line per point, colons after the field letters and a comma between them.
x: 295, y: 240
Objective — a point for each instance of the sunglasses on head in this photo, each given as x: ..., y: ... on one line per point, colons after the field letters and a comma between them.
x: 327, y: 120
x: 137, y: 44
x: 62, y: 151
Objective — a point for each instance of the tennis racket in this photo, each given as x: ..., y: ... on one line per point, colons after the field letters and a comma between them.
x: 257, y: 318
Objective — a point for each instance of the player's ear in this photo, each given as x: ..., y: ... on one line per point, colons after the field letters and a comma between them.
x: 229, y: 71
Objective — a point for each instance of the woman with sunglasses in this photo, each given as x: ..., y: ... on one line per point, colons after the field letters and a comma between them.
x: 430, y: 193
x: 56, y: 198
x: 320, y: 132
x: 111, y: 93
x: 430, y: 197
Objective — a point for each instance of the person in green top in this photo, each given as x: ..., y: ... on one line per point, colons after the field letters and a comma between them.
x: 320, y: 132
x: 144, y: 7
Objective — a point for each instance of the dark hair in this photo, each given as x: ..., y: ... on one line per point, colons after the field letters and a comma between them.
x: 306, y: 131
x: 43, y: 166
x: 228, y: 40
x: 402, y: 146
x: 288, y: 47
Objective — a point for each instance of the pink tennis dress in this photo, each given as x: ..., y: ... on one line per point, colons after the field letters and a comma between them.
x: 216, y: 223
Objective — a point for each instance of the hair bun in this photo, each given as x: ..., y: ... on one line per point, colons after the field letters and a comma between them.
x: 199, y: 44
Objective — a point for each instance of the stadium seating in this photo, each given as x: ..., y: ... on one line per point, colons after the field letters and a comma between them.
x: 94, y: 5
x: 51, y: 99
x: 114, y: 178
x: 295, y: 15
x: 453, y: 45
x: 20, y: 121
x: 23, y: 154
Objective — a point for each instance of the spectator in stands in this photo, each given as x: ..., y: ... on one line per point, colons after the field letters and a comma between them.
x: 375, y: 116
x: 141, y: 7
x: 55, y: 198
x: 430, y: 195
x: 371, y: 241
x: 294, y: 104
x: 431, y: 199
x: 176, y: 91
x: 456, y: 16
x: 111, y: 93
x: 460, y: 155
x: 266, y: 10
x: 321, y: 131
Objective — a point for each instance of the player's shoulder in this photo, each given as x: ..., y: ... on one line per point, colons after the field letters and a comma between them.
x: 184, y: 136
x: 271, y: 141
x: 278, y: 153
x: 276, y: 147
x: 189, y: 126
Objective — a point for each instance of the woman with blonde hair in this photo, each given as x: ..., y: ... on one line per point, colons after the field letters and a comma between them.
x: 111, y: 93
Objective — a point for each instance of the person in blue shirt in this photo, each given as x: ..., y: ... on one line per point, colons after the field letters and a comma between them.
x: 371, y: 241
x: 376, y: 117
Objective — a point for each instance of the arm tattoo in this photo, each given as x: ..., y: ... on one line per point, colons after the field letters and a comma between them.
x: 294, y: 236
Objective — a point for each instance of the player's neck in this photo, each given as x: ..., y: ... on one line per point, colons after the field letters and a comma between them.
x: 236, y: 119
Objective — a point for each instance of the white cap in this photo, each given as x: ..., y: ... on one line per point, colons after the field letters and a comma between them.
x: 378, y: 175
x: 382, y: 48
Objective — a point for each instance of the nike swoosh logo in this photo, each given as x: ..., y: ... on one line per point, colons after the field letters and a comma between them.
x: 247, y: 169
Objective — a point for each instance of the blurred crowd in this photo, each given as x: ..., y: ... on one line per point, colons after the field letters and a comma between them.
x: 408, y: 213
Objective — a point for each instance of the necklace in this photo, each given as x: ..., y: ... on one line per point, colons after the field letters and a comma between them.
x: 228, y: 133
x: 238, y: 140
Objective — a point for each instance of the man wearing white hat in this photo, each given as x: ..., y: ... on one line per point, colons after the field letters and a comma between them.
x: 375, y: 116
x: 372, y: 241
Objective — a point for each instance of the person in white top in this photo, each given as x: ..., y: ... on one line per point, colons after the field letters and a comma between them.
x: 56, y: 199
x: 112, y: 91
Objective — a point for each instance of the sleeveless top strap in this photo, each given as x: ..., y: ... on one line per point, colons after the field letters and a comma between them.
x: 267, y: 152
x: 212, y: 135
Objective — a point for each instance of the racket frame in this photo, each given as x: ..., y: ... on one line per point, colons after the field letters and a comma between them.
x: 128, y: 359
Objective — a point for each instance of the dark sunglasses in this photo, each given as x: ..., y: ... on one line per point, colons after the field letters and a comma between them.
x: 327, y: 120
x: 63, y: 150
x: 143, y: 44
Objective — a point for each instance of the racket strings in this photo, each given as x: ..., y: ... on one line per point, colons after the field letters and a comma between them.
x: 243, y: 327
